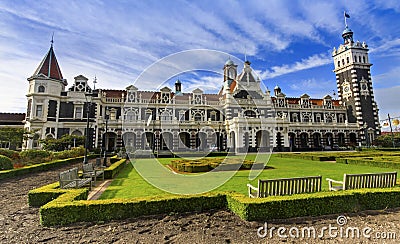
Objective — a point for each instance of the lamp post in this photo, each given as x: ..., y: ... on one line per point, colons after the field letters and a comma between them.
x: 365, y: 127
x: 106, y: 117
x: 88, y: 97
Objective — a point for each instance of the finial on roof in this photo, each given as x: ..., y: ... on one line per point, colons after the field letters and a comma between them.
x: 346, y: 16
x: 52, y: 39
x: 94, y: 82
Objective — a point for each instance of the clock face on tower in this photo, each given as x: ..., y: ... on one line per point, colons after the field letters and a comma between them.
x: 364, y: 86
x: 346, y: 89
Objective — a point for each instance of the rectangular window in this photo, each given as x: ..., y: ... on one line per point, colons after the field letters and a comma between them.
x: 78, y: 113
x: 39, y: 110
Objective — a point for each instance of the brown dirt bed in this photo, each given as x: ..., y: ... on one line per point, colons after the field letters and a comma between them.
x: 19, y: 223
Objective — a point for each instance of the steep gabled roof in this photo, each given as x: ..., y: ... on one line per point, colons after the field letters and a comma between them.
x: 49, y: 66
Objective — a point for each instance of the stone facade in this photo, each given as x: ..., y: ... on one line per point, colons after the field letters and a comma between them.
x: 239, y: 118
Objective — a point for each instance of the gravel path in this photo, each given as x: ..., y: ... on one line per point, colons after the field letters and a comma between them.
x: 20, y: 224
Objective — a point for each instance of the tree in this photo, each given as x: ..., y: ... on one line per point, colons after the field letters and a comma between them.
x: 12, y: 136
x: 385, y: 140
x: 63, y: 143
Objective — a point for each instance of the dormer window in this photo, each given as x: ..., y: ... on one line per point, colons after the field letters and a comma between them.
x: 41, y: 89
x: 198, y: 117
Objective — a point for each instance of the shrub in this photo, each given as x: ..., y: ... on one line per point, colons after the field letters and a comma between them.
x: 13, y: 155
x: 5, y: 163
x: 205, y: 164
x: 35, y: 156
x: 110, y: 172
x: 72, y: 153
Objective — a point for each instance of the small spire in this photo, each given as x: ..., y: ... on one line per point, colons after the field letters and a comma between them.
x: 52, y: 39
x: 94, y: 82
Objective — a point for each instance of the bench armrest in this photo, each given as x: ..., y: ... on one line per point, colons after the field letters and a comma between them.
x: 334, y: 181
x: 335, y: 188
x: 251, y: 189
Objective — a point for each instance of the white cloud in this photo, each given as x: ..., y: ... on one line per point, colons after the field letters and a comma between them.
x: 388, y: 101
x: 314, y: 88
x: 307, y: 63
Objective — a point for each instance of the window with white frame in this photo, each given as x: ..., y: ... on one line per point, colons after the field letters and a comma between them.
x: 78, y: 112
x: 39, y: 110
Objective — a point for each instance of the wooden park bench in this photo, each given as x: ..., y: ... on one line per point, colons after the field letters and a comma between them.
x: 70, y: 179
x: 285, y: 186
x: 89, y: 171
x: 358, y: 181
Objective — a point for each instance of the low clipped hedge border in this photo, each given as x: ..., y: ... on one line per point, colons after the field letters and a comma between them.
x: 67, y: 208
x: 370, y: 161
x: 114, y: 169
x: 64, y: 210
x: 42, y: 195
x: 40, y: 167
x: 316, y: 204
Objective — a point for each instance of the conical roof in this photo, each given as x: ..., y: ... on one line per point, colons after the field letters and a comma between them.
x: 49, y: 66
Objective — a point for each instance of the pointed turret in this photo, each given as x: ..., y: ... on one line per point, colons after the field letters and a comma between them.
x: 49, y: 67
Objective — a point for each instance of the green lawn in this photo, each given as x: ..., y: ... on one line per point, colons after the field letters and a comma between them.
x: 129, y: 184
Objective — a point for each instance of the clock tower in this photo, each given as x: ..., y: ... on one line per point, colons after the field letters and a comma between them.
x: 354, y: 84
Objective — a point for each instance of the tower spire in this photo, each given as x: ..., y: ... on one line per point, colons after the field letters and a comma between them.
x: 52, y: 39
x: 94, y: 82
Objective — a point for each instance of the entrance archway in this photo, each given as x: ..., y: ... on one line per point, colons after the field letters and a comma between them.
x: 166, y: 141
x: 262, y: 140
x: 129, y: 140
x: 110, y: 141
x: 148, y: 141
x: 184, y: 141
x: 303, y: 140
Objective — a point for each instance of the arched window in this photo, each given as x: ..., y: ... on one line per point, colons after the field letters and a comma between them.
x: 348, y: 60
x: 359, y: 59
x: 198, y: 117
x: 338, y: 63
x: 166, y: 116
x: 363, y: 59
x: 343, y: 62
x: 131, y: 116
x: 41, y: 88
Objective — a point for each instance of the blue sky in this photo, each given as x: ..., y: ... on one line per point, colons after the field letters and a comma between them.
x: 289, y: 43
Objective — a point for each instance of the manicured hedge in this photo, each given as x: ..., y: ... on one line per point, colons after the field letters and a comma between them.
x: 383, y: 162
x: 39, y: 167
x: 66, y: 211
x: 315, y: 204
x: 115, y: 168
x: 331, y: 156
x: 40, y: 196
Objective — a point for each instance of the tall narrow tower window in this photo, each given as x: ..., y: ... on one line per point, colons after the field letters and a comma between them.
x: 338, y: 63
x: 363, y: 59
x: 359, y: 59
x: 348, y: 60
x: 39, y: 110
